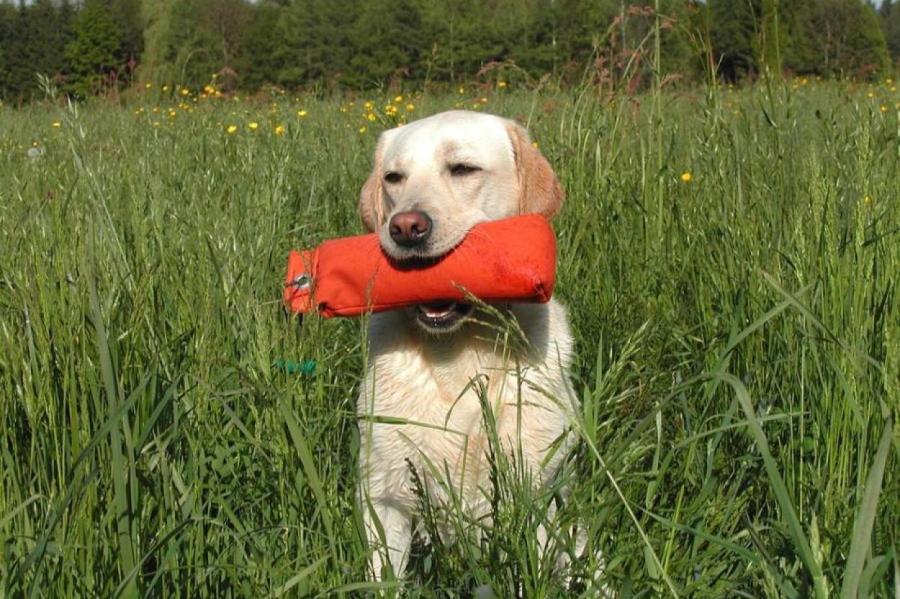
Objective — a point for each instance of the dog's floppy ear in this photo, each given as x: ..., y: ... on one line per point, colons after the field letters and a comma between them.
x: 371, y: 197
x: 539, y: 189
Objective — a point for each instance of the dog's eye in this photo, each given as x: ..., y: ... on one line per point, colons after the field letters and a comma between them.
x: 393, y: 177
x: 461, y: 170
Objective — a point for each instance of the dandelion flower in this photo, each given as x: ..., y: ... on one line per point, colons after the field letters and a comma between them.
x: 368, y: 105
x: 410, y: 107
x: 172, y: 113
x: 362, y: 129
x: 165, y: 88
x: 882, y: 108
x: 534, y: 144
x: 501, y: 83
x: 302, y: 114
x: 253, y: 125
x: 231, y: 128
x: 484, y: 100
x: 871, y: 94
x: 867, y: 200
x: 148, y: 85
x: 56, y: 124
x: 185, y: 91
x: 371, y: 116
x: 279, y: 130
x: 398, y: 99
x: 686, y: 177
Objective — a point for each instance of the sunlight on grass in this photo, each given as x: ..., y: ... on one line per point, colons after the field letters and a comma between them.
x: 729, y: 261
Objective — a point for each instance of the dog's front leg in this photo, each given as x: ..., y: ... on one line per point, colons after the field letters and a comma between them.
x: 381, y: 517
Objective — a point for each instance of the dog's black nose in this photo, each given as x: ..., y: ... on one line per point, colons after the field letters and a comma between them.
x: 411, y: 228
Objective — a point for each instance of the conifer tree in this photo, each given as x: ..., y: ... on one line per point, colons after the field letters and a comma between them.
x: 94, y: 48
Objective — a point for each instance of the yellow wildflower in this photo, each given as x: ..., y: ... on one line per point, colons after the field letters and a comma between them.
x: 368, y: 105
x: 172, y: 113
x: 883, y: 108
x: 462, y: 90
x: 185, y: 91
x: 867, y: 200
x: 362, y: 129
x: 148, y: 85
x: 56, y: 124
x: 686, y: 177
x: 165, y: 88
x: 484, y: 100
x: 534, y: 144
x: 371, y: 116
x: 302, y: 114
x: 253, y: 125
x: 501, y: 83
x: 410, y: 107
x: 398, y: 99
x: 279, y: 130
x: 231, y: 128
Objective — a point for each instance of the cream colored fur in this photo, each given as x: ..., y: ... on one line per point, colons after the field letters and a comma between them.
x: 424, y: 380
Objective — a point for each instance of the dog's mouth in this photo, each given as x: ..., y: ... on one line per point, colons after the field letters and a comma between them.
x: 441, y: 317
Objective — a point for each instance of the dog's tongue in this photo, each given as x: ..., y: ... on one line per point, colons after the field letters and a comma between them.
x: 437, y: 309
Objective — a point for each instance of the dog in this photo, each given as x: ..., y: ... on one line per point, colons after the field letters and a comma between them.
x: 431, y: 182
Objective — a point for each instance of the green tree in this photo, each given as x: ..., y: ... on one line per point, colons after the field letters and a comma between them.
x: 386, y: 42
x: 890, y: 26
x: 315, y: 40
x: 127, y: 16
x: 7, y: 42
x: 849, y: 38
x: 732, y: 32
x: 33, y: 42
x: 800, y: 54
x: 258, y: 62
x: 94, y: 48
x: 156, y: 16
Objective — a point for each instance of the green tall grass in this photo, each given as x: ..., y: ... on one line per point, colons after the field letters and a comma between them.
x: 738, y: 349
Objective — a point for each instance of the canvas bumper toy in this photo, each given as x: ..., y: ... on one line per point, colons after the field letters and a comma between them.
x: 510, y: 260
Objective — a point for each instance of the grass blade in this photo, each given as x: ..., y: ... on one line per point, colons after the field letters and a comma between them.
x: 865, y: 518
x: 779, y: 489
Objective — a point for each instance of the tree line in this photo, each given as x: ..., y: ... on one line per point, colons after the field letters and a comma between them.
x: 100, y: 45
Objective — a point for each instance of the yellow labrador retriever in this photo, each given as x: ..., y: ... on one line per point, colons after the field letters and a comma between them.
x: 432, y: 181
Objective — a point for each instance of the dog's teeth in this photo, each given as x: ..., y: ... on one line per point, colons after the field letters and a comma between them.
x: 444, y: 310
x: 433, y: 313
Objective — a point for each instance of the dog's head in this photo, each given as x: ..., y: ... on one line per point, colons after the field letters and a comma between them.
x: 436, y: 178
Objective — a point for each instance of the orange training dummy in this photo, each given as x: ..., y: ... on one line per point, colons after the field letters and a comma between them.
x: 510, y: 260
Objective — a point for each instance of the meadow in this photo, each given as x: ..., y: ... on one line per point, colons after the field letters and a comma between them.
x: 729, y: 257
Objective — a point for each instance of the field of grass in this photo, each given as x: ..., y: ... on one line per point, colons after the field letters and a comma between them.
x: 730, y: 260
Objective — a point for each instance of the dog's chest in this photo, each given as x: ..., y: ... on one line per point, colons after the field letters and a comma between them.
x: 429, y: 404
